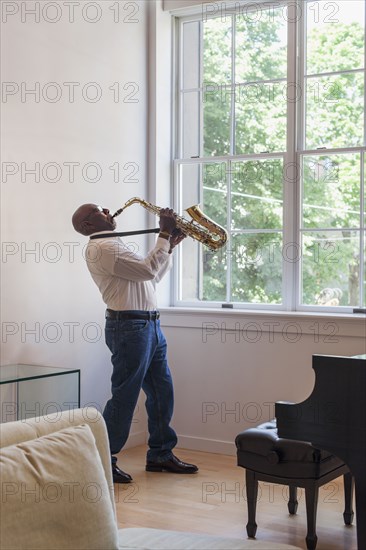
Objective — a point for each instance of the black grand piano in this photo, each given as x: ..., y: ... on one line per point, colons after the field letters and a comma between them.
x: 333, y: 418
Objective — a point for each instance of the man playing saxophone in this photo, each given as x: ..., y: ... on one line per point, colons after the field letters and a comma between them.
x: 133, y: 334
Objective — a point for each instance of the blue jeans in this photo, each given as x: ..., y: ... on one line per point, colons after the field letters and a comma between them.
x: 139, y: 361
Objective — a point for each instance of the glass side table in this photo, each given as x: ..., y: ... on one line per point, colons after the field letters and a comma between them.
x: 34, y: 390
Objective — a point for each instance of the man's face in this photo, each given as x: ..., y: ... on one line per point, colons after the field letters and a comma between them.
x: 96, y: 218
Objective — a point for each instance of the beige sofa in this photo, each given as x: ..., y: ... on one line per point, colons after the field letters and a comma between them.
x: 57, y: 492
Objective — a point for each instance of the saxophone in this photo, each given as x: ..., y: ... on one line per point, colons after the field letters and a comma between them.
x: 204, y: 230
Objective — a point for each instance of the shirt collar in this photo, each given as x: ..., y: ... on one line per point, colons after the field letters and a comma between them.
x: 101, y: 232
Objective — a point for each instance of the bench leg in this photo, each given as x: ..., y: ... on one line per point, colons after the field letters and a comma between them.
x: 252, y: 495
x: 292, y: 501
x: 348, y: 498
x: 311, y: 497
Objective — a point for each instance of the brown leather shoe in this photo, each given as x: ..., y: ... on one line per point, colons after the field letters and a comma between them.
x: 119, y: 476
x: 173, y: 465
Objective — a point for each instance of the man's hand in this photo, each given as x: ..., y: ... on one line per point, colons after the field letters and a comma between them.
x: 176, y: 238
x: 167, y: 221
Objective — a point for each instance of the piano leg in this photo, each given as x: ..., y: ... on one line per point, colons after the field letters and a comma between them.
x: 348, y: 514
x: 311, y: 497
x: 360, y: 485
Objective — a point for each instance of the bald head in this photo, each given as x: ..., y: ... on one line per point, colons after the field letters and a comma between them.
x: 80, y: 215
x: 89, y: 218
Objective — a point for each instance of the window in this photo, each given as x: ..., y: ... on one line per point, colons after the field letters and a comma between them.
x: 270, y: 130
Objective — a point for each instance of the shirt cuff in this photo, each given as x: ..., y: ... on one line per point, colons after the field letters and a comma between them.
x: 163, y: 243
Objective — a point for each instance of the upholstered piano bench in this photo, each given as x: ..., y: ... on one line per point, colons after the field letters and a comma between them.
x: 266, y: 457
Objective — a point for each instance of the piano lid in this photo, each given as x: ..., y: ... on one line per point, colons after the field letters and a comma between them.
x: 333, y: 417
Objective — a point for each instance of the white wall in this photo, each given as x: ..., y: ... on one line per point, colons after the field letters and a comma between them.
x: 50, y: 290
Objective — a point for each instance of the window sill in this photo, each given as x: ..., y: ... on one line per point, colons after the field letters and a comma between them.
x: 291, y: 323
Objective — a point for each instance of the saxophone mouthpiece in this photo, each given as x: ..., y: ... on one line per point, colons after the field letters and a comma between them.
x: 117, y: 213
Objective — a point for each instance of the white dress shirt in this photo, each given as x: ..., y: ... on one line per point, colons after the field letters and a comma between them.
x: 125, y: 279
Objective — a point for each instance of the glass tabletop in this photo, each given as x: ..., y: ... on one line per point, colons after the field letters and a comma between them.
x: 16, y: 373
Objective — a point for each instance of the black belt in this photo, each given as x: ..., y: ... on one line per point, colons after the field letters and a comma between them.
x: 120, y: 315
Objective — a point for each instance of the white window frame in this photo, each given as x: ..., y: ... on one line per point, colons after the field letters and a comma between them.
x: 291, y: 230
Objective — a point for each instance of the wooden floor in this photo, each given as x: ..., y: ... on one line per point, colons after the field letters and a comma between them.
x: 213, y: 502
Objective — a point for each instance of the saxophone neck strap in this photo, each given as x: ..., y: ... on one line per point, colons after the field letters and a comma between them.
x: 125, y: 234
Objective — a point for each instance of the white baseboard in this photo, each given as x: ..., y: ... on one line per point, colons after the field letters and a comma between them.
x: 188, y: 442
x: 207, y: 445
